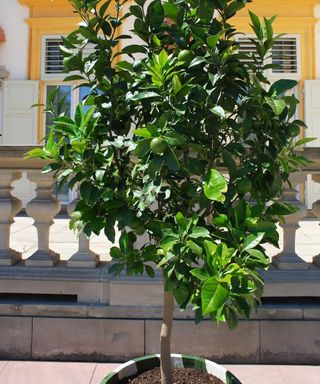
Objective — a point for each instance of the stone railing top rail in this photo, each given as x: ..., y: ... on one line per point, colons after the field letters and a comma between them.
x: 12, y: 157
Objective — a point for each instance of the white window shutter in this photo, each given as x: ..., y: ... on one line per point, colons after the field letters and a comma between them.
x: 312, y: 110
x: 312, y: 119
x: 20, y: 120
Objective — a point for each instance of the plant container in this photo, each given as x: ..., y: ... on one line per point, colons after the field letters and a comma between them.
x: 139, y: 365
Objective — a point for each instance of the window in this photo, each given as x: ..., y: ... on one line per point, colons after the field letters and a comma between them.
x: 52, y: 58
x: 285, y: 54
x: 52, y: 77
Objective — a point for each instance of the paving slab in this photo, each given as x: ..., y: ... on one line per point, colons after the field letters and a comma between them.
x: 33, y: 372
x: 3, y: 364
x: 300, y: 374
x: 276, y: 374
x: 257, y: 374
x: 101, y: 371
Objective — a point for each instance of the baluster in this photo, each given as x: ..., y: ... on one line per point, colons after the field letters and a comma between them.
x: 288, y: 258
x: 84, y: 257
x: 9, y: 207
x: 43, y: 209
x: 316, y: 211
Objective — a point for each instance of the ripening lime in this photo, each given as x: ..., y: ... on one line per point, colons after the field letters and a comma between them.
x: 186, y: 56
x: 293, y: 130
x: 243, y: 186
x: 158, y: 145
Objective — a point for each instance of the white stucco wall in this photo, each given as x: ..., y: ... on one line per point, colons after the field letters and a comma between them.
x: 14, y: 51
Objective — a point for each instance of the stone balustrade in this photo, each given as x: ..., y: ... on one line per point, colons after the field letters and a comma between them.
x: 56, y: 307
x: 84, y: 275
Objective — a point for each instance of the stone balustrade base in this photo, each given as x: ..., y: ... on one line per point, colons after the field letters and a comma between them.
x: 278, y: 334
x: 87, y: 315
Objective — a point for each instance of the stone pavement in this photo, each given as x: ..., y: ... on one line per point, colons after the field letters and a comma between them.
x: 34, y: 372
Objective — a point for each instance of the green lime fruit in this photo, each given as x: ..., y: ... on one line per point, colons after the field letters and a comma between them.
x: 293, y: 130
x: 244, y: 186
x: 140, y: 230
x: 135, y: 223
x: 158, y: 145
x: 185, y: 56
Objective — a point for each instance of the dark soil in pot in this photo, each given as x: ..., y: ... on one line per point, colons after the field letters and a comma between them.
x: 180, y: 376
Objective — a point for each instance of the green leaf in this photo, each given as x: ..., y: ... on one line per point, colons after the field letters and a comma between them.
x: 181, y: 293
x: 124, y: 242
x: 213, y: 296
x: 150, y: 271
x: 252, y: 241
x: 232, y: 320
x: 143, y: 146
x: 136, y: 11
x: 199, y: 232
x: 256, y: 25
x: 259, y: 257
x: 280, y: 209
x: 89, y: 193
x: 110, y: 232
x: 210, y: 248
x: 234, y: 7
x: 155, y: 166
x: 214, y: 186
x: 304, y: 141
x: 149, y: 131
x: 174, y: 138
x: 282, y: 85
x: 116, y: 268
x: 277, y: 105
x: 199, y: 273
x: 218, y: 111
x: 131, y: 49
x: 144, y: 95
x: 167, y: 243
x: 181, y: 220
x: 196, y: 61
x: 171, y: 160
x: 124, y: 65
x: 194, y: 247
x: 176, y: 84
x: 115, y: 253
x: 163, y: 58
x: 212, y: 40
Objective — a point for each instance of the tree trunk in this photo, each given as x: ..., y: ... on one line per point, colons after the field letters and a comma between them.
x: 165, y: 338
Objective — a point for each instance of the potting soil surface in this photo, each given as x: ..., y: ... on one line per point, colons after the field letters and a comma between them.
x: 180, y: 376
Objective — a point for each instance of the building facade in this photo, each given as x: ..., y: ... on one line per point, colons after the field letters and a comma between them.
x: 31, y: 64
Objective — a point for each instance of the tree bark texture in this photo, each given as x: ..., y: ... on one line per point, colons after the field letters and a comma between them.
x: 165, y: 338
